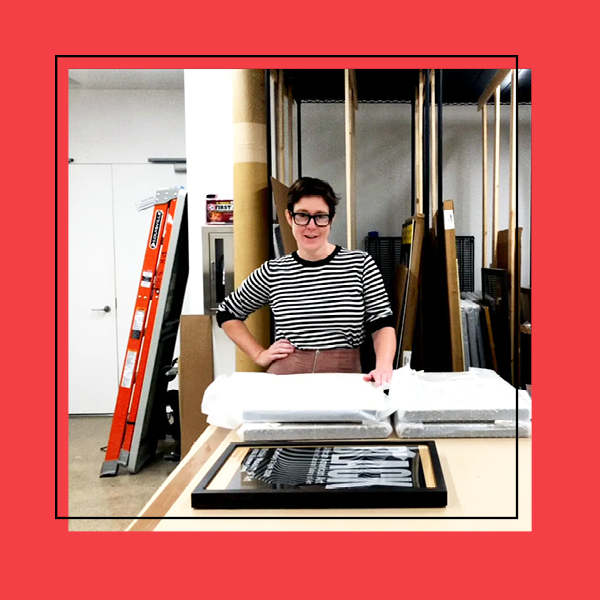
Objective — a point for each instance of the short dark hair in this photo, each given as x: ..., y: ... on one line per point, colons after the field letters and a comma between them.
x: 310, y: 186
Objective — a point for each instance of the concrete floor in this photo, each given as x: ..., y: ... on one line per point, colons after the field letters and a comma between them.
x: 108, y: 503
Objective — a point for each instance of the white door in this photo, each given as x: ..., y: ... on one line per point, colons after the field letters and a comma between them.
x: 93, y: 370
x: 133, y: 182
x: 107, y: 243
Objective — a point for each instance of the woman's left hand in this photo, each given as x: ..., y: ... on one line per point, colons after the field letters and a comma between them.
x: 379, y: 376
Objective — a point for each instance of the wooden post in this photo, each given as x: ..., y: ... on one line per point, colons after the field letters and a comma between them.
x: 420, y: 144
x: 351, y: 105
x: 290, y: 136
x: 496, y: 207
x: 252, y: 232
x: 456, y: 333
x: 493, y: 87
x: 484, y: 231
x: 512, y: 227
x: 275, y: 133
x: 280, y: 127
x: 433, y: 138
x: 416, y: 148
x: 496, y: 80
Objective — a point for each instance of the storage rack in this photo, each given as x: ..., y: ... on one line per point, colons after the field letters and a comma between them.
x: 469, y: 86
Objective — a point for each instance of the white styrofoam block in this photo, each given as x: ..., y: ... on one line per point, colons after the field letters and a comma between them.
x: 255, y: 432
x: 474, y: 429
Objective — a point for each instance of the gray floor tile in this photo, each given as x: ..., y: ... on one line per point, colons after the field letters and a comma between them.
x: 121, y: 497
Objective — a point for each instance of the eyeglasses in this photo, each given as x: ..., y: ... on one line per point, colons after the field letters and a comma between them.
x: 321, y: 220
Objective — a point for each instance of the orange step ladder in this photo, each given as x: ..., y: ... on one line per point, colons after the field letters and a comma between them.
x: 140, y: 334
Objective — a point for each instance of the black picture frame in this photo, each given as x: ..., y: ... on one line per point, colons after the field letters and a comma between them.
x: 345, y: 474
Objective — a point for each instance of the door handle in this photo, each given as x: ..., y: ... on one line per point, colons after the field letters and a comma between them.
x: 105, y: 309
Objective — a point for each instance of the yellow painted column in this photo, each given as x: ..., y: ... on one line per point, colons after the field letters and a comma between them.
x: 252, y: 229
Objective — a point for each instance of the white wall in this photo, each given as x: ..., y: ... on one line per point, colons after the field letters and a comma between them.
x: 462, y: 129
x: 126, y: 126
x: 209, y: 140
x: 122, y: 129
x: 383, y: 177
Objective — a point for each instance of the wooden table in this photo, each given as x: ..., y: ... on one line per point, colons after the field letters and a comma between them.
x: 481, y: 477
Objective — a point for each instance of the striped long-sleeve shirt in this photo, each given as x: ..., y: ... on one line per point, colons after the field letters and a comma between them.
x: 325, y: 304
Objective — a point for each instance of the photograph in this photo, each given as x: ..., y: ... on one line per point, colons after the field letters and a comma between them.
x: 336, y: 252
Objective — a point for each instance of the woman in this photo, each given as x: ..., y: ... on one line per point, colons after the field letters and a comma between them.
x: 324, y: 298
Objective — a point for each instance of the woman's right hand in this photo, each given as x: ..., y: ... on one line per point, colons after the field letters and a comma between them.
x: 280, y: 349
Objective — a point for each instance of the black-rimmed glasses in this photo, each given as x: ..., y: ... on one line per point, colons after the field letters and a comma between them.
x: 321, y: 220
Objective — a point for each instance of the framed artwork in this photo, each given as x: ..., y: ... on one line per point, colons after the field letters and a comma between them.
x: 324, y: 475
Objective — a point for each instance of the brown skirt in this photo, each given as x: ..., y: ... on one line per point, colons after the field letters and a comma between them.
x: 341, y: 360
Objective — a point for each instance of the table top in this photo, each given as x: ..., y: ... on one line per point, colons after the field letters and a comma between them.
x: 488, y: 482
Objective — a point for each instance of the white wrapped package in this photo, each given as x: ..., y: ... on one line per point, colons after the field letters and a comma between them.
x: 473, y: 395
x: 239, y: 398
x: 263, y: 432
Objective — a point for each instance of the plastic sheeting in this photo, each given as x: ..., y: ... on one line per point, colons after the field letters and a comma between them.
x: 476, y: 403
x: 314, y: 397
x: 472, y: 334
x: 473, y: 395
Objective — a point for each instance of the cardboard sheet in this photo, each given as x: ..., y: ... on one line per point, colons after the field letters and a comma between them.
x: 195, y: 375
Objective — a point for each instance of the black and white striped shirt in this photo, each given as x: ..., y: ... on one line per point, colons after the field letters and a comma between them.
x: 325, y: 304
